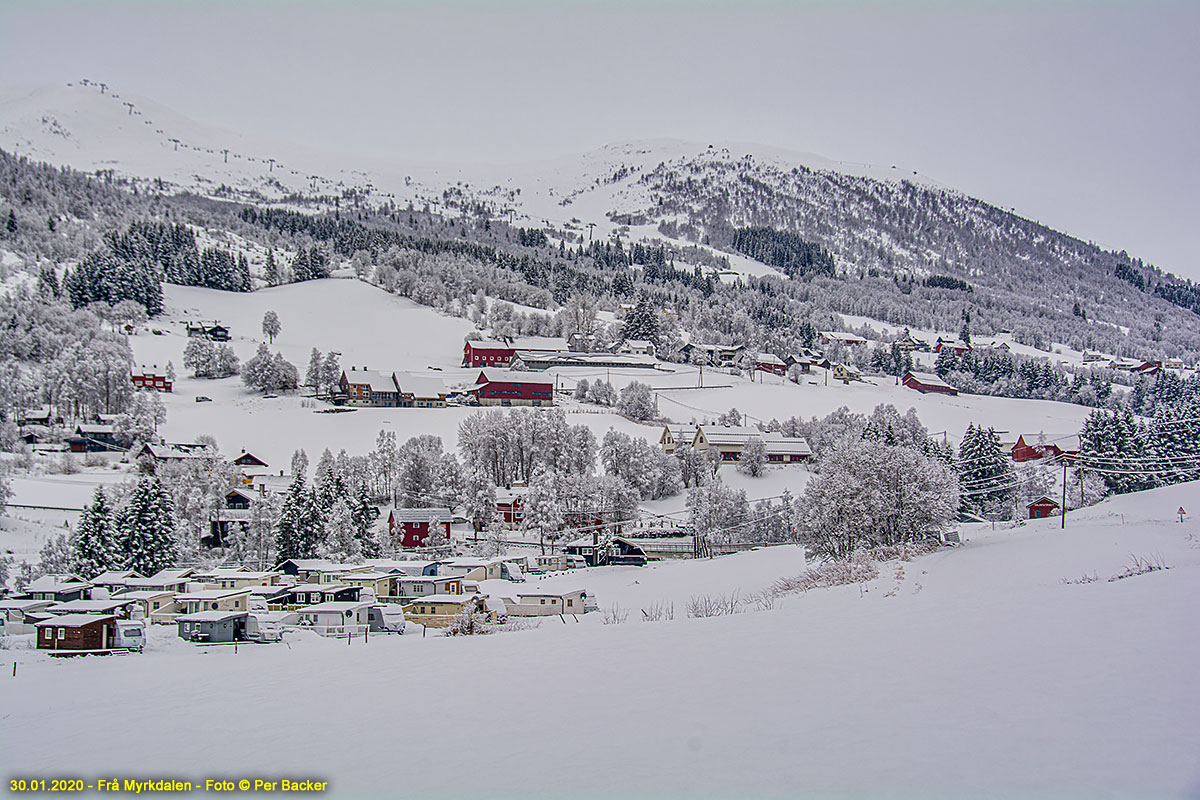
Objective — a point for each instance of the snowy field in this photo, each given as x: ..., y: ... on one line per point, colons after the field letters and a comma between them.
x: 373, y: 329
x: 972, y: 672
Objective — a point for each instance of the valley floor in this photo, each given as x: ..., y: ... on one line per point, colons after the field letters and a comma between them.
x: 973, y: 671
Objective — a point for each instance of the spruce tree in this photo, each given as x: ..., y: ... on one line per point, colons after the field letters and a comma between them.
x: 94, y: 542
x: 986, y: 474
x: 271, y: 270
x: 147, y: 528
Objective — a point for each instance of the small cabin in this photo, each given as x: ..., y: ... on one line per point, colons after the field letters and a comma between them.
x: 439, y: 610
x: 215, y: 627
x: 1042, y: 508
x: 79, y: 632
x: 336, y: 618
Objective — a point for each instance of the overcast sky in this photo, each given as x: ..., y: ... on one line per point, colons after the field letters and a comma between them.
x: 1084, y: 116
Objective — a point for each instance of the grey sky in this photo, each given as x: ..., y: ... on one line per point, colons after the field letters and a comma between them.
x: 1081, y: 115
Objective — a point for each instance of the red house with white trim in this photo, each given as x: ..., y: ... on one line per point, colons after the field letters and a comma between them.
x: 410, y: 527
x: 1042, y: 508
x: 150, y: 379
x: 514, y: 389
x: 487, y: 353
x: 925, y: 382
x: 769, y: 362
x: 1056, y: 447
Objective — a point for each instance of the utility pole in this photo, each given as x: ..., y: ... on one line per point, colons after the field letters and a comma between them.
x: 1064, y: 503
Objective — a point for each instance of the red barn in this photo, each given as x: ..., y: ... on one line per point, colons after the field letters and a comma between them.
x: 410, y: 526
x: 1056, y: 447
x: 487, y: 354
x: 953, y: 345
x: 927, y: 382
x: 514, y: 389
x: 1042, y: 508
x: 769, y: 362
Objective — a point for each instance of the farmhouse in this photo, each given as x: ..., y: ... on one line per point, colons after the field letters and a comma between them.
x: 411, y: 527
x: 487, y: 353
x: 215, y: 627
x: 844, y: 373
x: 249, y: 460
x: 639, y: 347
x: 769, y: 362
x: 177, y: 451
x: 837, y: 337
x: 717, y: 355
x: 910, y: 343
x: 1041, y: 446
x: 676, y: 436
x: 94, y: 438
x: 150, y: 378
x: 214, y: 331
x: 953, y: 345
x: 510, y: 502
x: 731, y: 439
x: 419, y: 391
x: 925, y: 382
x: 540, y: 360
x: 511, y: 389
x: 365, y: 387
x: 83, y: 632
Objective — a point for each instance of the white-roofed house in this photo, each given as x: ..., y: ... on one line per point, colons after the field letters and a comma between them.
x: 417, y: 390
x: 538, y: 604
x: 335, y: 618
x: 730, y: 440
x: 439, y: 610
x: 77, y: 632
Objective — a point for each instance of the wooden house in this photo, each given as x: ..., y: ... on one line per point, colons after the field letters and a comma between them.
x: 716, y: 355
x: 335, y: 618
x: 955, y: 346
x: 234, y: 515
x: 439, y: 610
x: 539, y: 604
x: 639, y: 551
x: 510, y: 503
x: 511, y: 389
x: 844, y: 373
x: 926, y: 382
x: 589, y: 548
x: 150, y: 378
x: 414, y: 390
x: 213, y: 600
x: 487, y: 353
x: 1043, y: 507
x: 769, y: 362
x: 114, y: 580
x: 730, y: 440
x: 640, y: 347
x: 79, y: 632
x: 311, y: 594
x: 365, y: 387
x: 59, y: 587
x: 410, y: 527
x: 213, y: 627
x: 909, y: 343
x: 176, y: 451
x: 1042, y: 446
x: 94, y: 438
x: 839, y: 337
x: 676, y: 436
x: 414, y: 586
x: 248, y: 460
x: 213, y: 331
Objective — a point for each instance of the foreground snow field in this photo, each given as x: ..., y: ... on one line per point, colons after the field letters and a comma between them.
x: 974, y: 671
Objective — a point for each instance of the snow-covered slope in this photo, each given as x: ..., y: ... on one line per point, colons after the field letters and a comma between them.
x: 972, y: 672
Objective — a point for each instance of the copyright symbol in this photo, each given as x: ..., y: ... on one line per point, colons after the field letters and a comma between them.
x: 244, y: 785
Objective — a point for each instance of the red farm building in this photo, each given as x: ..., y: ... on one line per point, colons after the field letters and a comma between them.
x: 410, y: 527
x: 150, y: 378
x: 1042, y: 508
x: 925, y: 382
x: 512, y: 389
x: 1054, y: 447
x: 487, y: 354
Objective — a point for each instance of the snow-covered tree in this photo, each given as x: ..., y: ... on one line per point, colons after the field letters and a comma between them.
x: 341, y: 541
x: 94, y: 542
x: 300, y: 528
x: 637, y: 402
x: 986, y: 474
x: 754, y: 457
x: 271, y: 326
x: 146, y: 527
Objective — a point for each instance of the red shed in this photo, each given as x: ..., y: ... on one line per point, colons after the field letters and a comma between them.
x: 927, y: 382
x: 410, y: 526
x: 1059, y: 447
x: 514, y: 389
x: 1040, y: 509
x: 487, y: 354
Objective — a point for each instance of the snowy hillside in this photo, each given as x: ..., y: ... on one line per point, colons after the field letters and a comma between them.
x: 378, y: 331
x: 975, y: 671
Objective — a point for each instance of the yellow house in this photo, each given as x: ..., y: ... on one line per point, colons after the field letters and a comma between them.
x: 845, y: 374
x: 214, y: 600
x: 439, y: 610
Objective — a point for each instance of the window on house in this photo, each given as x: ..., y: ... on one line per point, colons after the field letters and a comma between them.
x: 62, y: 633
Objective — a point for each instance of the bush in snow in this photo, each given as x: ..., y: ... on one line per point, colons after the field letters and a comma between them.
x: 614, y: 615
x: 470, y: 623
x: 637, y: 403
x: 713, y: 605
x: 270, y: 373
x: 754, y: 457
x: 602, y: 393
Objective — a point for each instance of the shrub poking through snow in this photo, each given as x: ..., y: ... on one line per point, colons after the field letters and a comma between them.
x: 615, y: 615
x: 1140, y: 566
x: 470, y: 623
x: 658, y: 611
x: 714, y: 605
